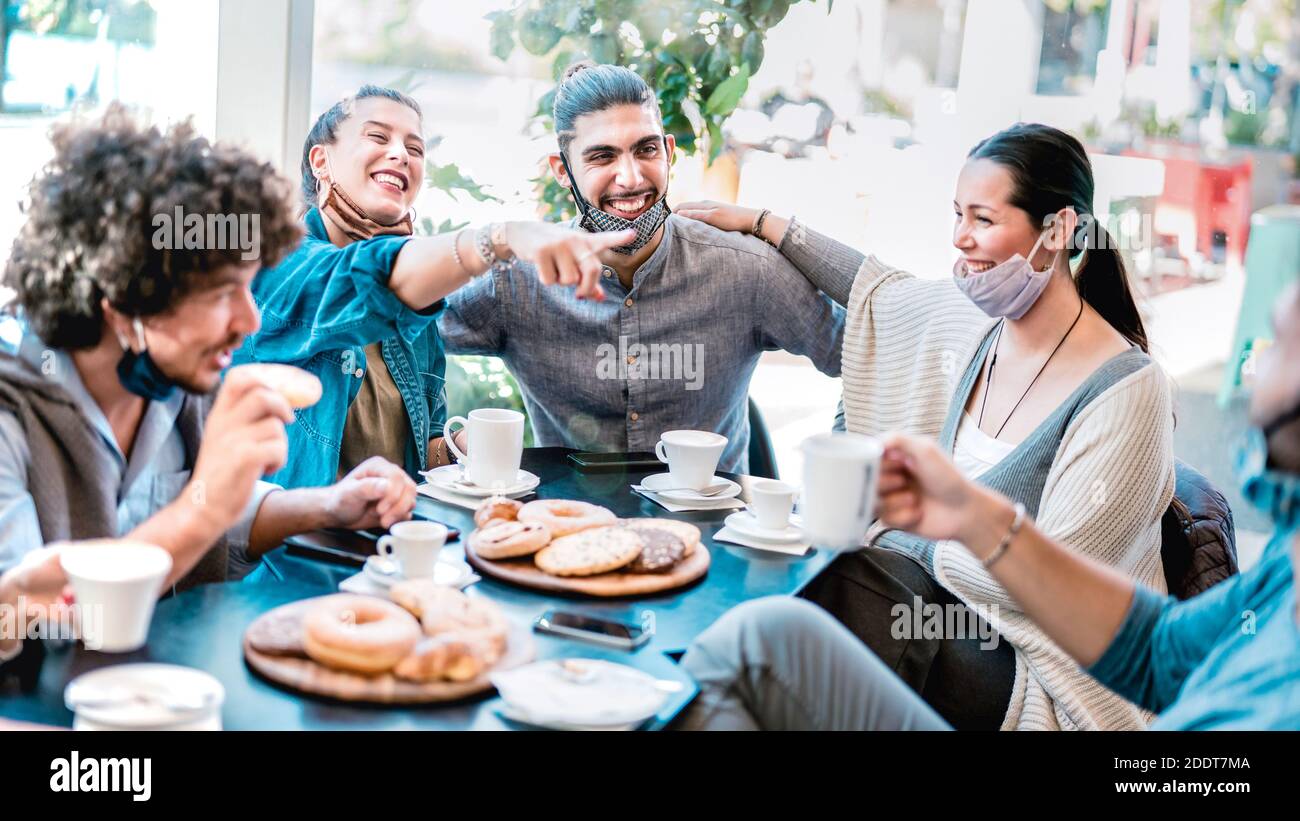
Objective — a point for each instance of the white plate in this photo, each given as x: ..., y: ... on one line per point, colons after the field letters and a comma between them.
x: 384, y: 572
x: 450, y: 477
x: 744, y: 523
x: 665, y: 480
x: 587, y: 693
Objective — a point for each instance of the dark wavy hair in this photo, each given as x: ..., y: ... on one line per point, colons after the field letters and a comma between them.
x: 1049, y: 171
x: 90, y: 226
x: 326, y: 129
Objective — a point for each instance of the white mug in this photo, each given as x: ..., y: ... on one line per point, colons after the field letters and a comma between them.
x: 772, y: 502
x: 116, y: 582
x: 840, y: 471
x: 496, y: 446
x: 414, y: 546
x: 691, y: 455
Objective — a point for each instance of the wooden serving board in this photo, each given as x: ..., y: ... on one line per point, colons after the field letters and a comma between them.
x: 307, y: 676
x: 523, y: 572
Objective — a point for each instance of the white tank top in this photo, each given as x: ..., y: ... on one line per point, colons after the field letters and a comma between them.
x: 974, y: 451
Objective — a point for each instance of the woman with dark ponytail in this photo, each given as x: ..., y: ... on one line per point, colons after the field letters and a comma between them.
x: 1030, y: 366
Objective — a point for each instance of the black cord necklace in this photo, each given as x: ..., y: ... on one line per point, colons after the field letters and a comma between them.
x: 988, y: 380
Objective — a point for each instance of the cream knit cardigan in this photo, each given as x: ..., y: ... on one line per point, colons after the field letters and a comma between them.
x: 907, y: 343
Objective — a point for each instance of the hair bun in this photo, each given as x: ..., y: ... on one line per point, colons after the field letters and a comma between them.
x: 574, y: 68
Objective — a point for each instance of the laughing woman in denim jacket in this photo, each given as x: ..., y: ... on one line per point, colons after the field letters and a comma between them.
x: 356, y: 303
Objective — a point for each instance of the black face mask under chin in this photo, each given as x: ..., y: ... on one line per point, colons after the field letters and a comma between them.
x: 595, y: 220
x: 139, y: 374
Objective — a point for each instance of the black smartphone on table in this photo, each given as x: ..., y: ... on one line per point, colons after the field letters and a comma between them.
x: 615, y: 462
x: 351, y: 547
x: 572, y: 625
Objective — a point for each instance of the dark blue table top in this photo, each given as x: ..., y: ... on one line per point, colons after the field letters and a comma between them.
x: 203, y: 628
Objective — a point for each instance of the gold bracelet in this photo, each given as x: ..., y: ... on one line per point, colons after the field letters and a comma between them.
x: 1001, y: 549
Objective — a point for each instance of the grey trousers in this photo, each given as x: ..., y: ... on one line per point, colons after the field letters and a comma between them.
x: 782, y: 663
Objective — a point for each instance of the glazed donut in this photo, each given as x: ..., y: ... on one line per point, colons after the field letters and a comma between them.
x: 498, y: 507
x: 360, y: 634
x: 563, y: 516
x: 505, y: 540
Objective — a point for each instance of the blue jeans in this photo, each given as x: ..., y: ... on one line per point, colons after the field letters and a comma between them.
x: 782, y: 663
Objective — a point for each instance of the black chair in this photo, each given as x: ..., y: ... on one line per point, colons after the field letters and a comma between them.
x: 1198, y: 542
x: 762, y: 456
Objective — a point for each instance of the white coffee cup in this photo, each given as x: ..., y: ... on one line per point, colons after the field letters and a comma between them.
x: 839, y: 489
x: 772, y: 502
x: 414, y: 546
x: 496, y: 446
x: 116, y: 582
x: 691, y: 455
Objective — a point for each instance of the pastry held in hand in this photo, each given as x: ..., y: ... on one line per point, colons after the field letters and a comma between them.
x: 299, y: 388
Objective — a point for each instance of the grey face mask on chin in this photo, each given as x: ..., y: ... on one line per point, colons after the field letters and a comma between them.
x: 595, y: 220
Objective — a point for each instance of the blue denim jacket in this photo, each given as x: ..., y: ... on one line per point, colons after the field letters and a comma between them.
x: 320, y: 307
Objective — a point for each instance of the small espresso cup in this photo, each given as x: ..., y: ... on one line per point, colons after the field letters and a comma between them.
x: 691, y: 455
x: 772, y: 502
x: 839, y: 488
x: 414, y: 546
x: 496, y: 446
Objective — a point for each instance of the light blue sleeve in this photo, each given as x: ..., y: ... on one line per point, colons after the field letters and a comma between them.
x: 20, y: 529
x: 1162, y: 640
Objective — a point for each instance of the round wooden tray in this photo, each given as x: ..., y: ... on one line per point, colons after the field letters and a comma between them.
x: 307, y: 676
x: 523, y: 572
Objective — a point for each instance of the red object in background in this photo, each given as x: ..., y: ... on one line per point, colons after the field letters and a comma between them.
x: 1216, y: 193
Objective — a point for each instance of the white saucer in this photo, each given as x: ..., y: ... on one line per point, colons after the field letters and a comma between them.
x: 451, y: 477
x: 603, y: 695
x: 744, y: 523
x: 384, y: 572
x: 665, y: 480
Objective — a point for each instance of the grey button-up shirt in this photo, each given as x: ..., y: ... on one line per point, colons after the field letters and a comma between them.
x: 677, y: 350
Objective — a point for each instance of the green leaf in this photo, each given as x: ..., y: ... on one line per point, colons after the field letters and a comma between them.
x: 449, y: 178
x: 537, y: 35
x: 726, y: 96
x: 604, y: 48
x: 502, y: 38
x: 751, y: 53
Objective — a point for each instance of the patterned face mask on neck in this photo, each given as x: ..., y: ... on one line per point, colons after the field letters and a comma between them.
x: 595, y: 220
